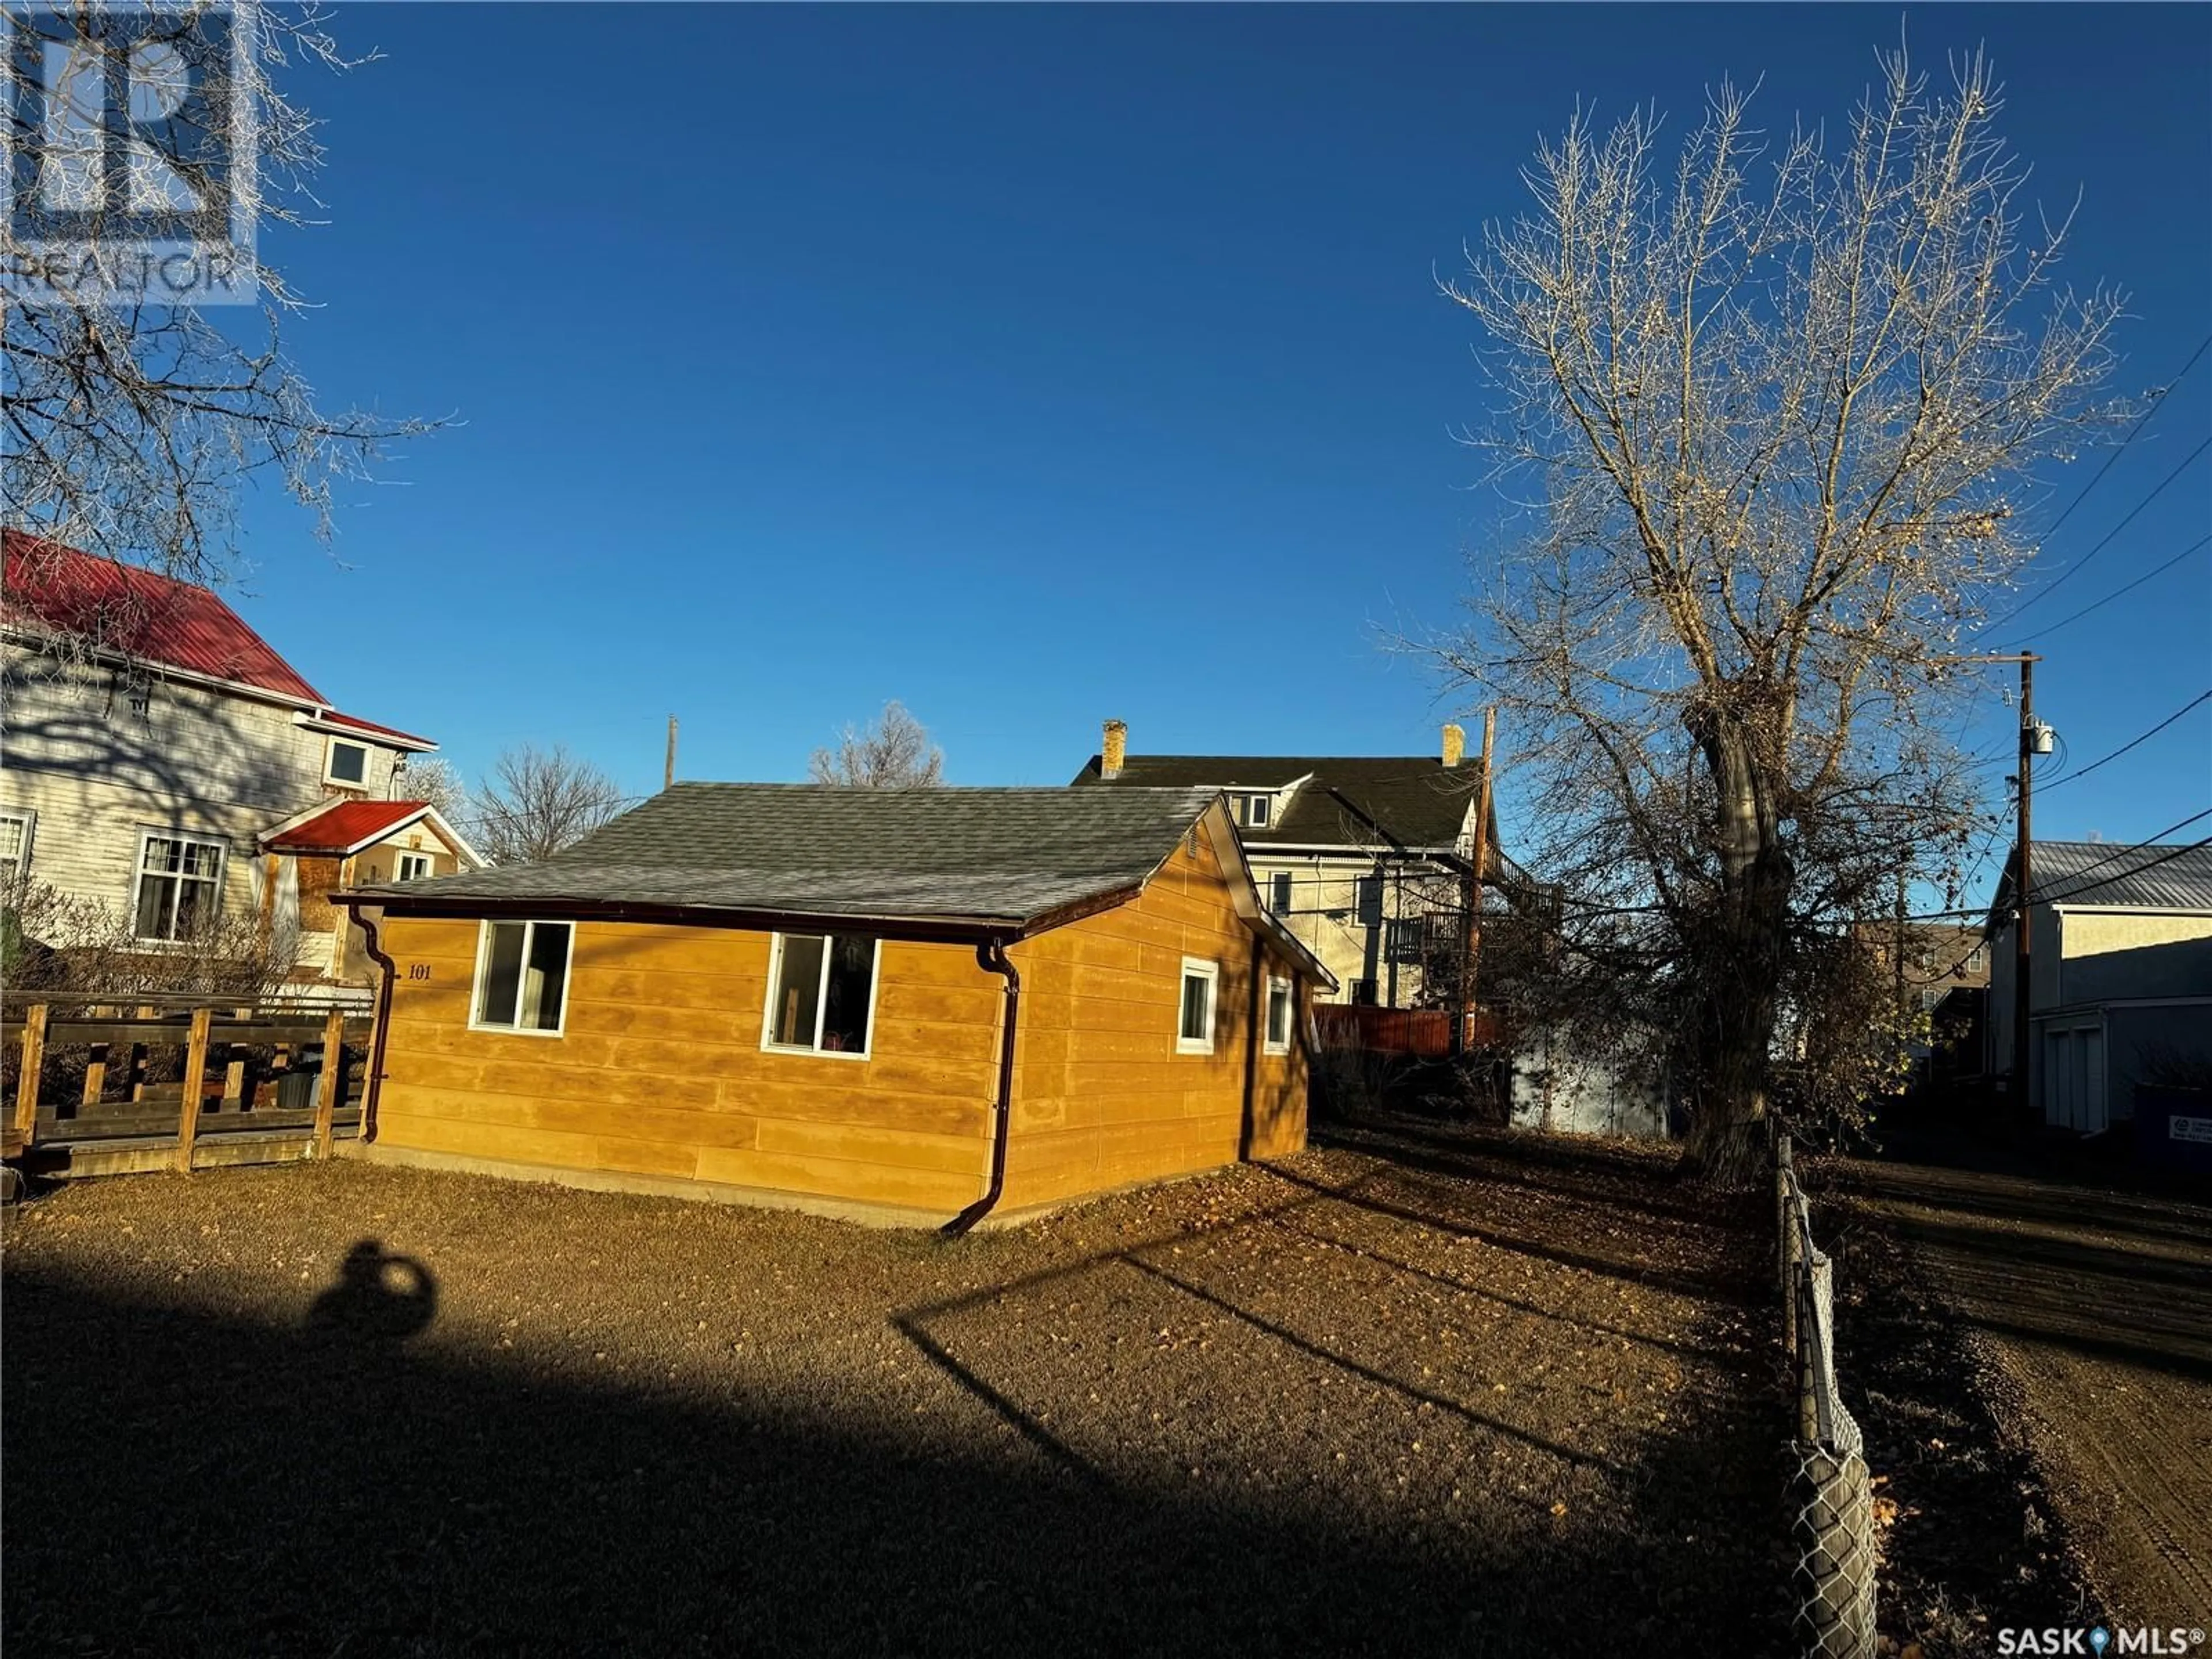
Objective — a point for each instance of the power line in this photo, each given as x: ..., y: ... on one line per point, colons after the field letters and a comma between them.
x: 2084, y: 771
x: 2147, y: 864
x: 2117, y: 591
x: 2157, y: 404
x: 2076, y: 568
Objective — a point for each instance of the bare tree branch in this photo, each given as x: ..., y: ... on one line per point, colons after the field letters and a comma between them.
x: 129, y: 427
x: 894, y: 753
x: 538, y: 801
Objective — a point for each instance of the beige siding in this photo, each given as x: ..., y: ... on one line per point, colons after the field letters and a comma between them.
x: 2113, y: 955
x: 1327, y: 918
x: 199, y: 760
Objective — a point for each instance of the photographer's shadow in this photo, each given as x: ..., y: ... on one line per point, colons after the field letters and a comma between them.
x: 379, y: 1299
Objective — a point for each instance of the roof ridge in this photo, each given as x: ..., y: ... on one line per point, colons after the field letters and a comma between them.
x: 1054, y: 790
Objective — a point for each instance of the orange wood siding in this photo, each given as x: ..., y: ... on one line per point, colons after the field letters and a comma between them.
x: 1102, y: 1098
x: 660, y: 1070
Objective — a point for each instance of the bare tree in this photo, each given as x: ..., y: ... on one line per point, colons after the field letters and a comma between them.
x: 1775, y: 421
x: 895, y: 753
x: 132, y: 422
x: 538, y: 801
x: 438, y: 782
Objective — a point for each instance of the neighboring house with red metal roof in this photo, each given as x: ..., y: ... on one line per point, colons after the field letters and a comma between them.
x: 165, y: 761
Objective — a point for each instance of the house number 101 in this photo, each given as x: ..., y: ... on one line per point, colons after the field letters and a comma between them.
x: 418, y: 970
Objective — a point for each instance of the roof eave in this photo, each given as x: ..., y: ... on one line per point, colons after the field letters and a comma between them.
x: 964, y: 929
x: 327, y: 719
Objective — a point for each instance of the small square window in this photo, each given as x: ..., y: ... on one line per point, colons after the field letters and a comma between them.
x: 1195, y: 1031
x: 348, y: 763
x: 410, y: 866
x: 1278, y: 1016
x: 822, y: 993
x: 522, y: 976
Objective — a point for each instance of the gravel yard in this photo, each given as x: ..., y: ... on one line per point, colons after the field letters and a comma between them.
x: 1420, y: 1390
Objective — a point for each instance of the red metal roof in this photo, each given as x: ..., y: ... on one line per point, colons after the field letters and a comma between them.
x: 347, y: 824
x: 141, y: 614
x: 354, y: 723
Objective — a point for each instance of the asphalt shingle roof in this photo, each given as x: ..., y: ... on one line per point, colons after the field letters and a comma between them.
x: 980, y: 855
x: 1415, y: 799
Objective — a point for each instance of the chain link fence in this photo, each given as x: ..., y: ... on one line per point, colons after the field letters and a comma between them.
x: 1831, y: 1503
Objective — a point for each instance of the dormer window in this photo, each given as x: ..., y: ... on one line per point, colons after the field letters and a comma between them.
x: 1258, y: 810
x: 348, y: 763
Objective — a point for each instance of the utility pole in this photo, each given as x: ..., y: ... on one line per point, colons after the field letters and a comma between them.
x: 668, y: 777
x: 2030, y: 741
x: 2022, y: 952
x: 1899, y: 1015
x: 1471, y: 935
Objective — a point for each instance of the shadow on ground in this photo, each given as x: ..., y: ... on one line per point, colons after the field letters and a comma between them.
x: 2105, y: 1274
x: 361, y: 1481
x: 2038, y: 1355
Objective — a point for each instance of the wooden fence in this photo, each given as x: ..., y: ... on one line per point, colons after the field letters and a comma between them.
x: 109, y: 1086
x: 1421, y: 1033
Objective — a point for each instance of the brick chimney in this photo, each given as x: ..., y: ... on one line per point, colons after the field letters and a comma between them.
x: 1113, y: 748
x: 1454, y: 746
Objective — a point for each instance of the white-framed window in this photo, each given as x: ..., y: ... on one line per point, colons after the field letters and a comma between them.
x: 177, y: 888
x: 822, y: 994
x: 1194, y: 1026
x: 1279, y: 892
x: 17, y: 830
x: 522, y: 977
x: 410, y: 866
x: 1280, y: 1012
x: 347, y: 763
x: 1258, y: 809
x: 1974, y: 960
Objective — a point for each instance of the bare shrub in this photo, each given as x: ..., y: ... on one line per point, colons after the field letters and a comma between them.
x: 64, y: 945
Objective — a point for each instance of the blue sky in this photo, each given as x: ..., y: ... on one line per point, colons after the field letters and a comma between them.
x: 1039, y: 365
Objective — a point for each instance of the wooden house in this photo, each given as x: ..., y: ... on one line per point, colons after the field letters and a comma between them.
x: 922, y: 1005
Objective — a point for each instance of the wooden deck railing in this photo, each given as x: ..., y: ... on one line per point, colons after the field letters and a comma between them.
x: 83, y: 1071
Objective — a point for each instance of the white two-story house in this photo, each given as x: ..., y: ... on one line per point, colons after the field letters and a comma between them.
x: 158, y: 758
x: 1363, y: 858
